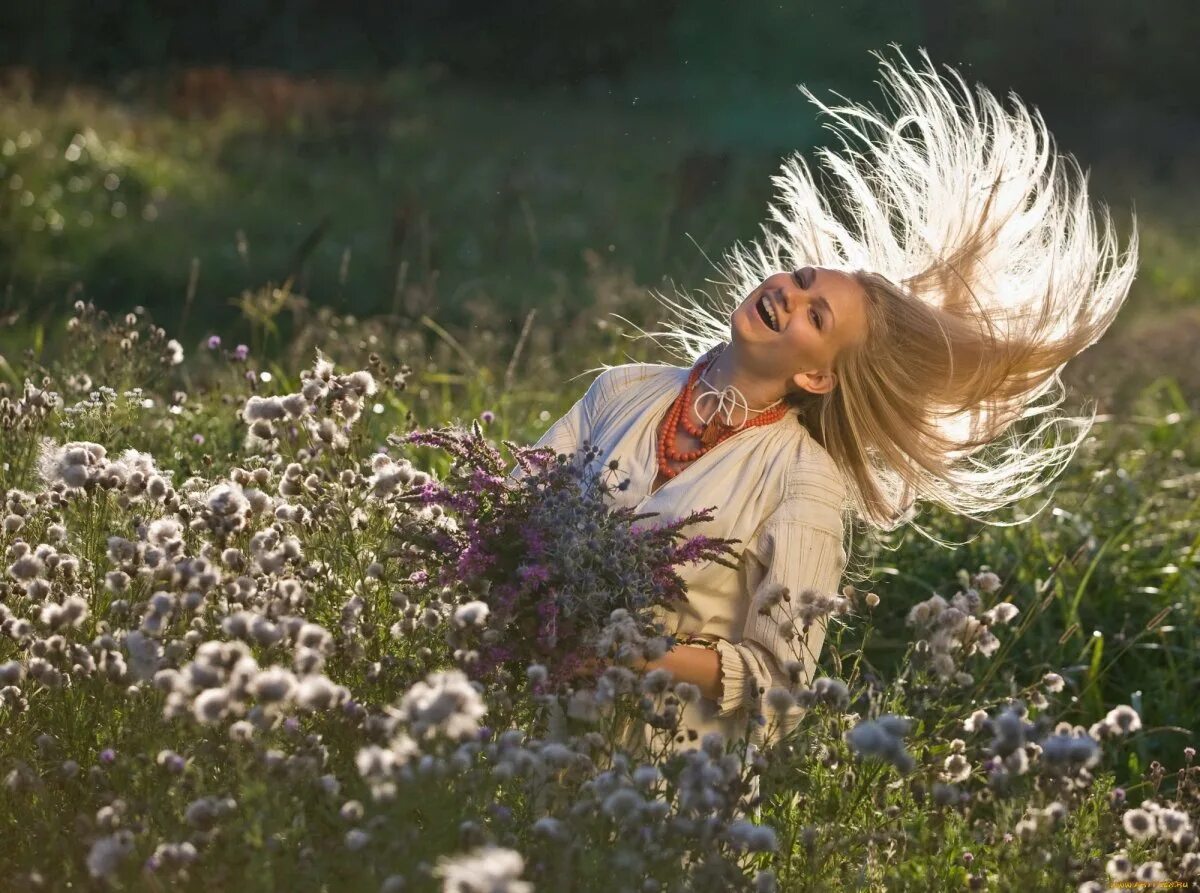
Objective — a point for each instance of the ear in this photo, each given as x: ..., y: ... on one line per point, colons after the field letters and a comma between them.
x: 815, y: 382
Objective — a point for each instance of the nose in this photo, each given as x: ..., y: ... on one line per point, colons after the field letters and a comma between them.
x: 785, y: 289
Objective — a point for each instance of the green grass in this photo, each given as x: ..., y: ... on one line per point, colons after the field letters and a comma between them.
x: 496, y: 196
x: 1106, y: 577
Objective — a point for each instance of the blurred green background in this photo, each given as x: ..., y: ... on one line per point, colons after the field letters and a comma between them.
x: 471, y: 161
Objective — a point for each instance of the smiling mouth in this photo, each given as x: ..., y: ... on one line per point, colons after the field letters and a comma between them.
x: 767, y: 312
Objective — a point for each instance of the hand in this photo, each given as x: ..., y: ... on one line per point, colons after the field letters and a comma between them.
x: 689, y: 663
x: 589, y: 668
x: 641, y: 665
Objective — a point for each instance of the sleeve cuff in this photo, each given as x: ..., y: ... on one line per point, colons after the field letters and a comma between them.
x: 739, y: 687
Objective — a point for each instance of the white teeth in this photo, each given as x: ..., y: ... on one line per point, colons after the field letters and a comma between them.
x: 770, y: 312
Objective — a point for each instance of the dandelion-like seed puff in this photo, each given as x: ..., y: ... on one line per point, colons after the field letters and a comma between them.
x: 969, y: 234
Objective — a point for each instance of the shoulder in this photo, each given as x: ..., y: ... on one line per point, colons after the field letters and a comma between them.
x: 630, y: 373
x: 613, y: 381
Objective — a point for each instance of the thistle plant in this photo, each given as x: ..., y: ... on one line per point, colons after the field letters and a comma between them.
x: 551, y: 560
x: 263, y: 661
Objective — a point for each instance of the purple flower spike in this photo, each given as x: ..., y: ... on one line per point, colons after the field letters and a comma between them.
x: 241, y: 352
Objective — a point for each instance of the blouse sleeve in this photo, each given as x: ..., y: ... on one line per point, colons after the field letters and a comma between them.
x: 567, y: 435
x: 801, y: 546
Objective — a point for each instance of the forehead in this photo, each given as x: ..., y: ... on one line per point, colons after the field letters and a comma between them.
x: 847, y: 301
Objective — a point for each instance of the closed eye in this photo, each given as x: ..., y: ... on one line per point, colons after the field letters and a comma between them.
x: 813, y: 314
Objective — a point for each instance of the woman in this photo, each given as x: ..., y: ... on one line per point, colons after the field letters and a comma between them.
x: 860, y: 367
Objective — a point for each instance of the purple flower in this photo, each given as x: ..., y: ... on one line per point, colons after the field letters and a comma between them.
x: 214, y: 341
x: 251, y: 376
x: 474, y: 561
x: 198, y: 438
x: 532, y: 574
x: 431, y: 492
x: 108, y: 756
x: 533, y: 540
x: 487, y: 416
x: 692, y: 549
x: 241, y: 352
x: 485, y: 732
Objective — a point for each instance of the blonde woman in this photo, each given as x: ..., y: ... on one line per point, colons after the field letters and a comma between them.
x: 864, y: 361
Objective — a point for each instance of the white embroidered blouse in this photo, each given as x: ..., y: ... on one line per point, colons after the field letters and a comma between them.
x: 773, y: 487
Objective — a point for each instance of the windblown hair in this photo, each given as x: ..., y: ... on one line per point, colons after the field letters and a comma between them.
x: 984, y: 274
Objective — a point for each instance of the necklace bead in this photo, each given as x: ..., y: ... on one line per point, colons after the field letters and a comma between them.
x: 678, y: 414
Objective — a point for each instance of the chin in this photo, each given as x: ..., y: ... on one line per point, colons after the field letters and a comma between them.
x: 739, y: 324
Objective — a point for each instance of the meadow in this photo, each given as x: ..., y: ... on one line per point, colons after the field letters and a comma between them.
x: 220, y: 668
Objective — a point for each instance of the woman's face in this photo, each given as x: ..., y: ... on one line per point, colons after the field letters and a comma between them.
x: 816, y: 313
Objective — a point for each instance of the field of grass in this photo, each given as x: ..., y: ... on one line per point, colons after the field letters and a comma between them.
x: 118, y: 775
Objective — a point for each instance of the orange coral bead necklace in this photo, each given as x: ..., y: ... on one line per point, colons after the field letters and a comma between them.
x: 712, y: 433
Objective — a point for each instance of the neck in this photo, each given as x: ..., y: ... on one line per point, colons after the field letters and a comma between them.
x: 727, y: 369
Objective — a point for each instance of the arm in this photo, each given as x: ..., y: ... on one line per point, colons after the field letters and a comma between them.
x: 568, y: 433
x: 801, y: 547
x: 812, y: 557
x: 687, y: 663
x: 735, y: 675
x: 565, y: 436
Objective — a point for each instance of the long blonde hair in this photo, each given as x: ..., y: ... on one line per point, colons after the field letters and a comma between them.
x: 984, y: 274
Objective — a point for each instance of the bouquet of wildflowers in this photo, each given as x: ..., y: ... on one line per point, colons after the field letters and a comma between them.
x: 562, y: 577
